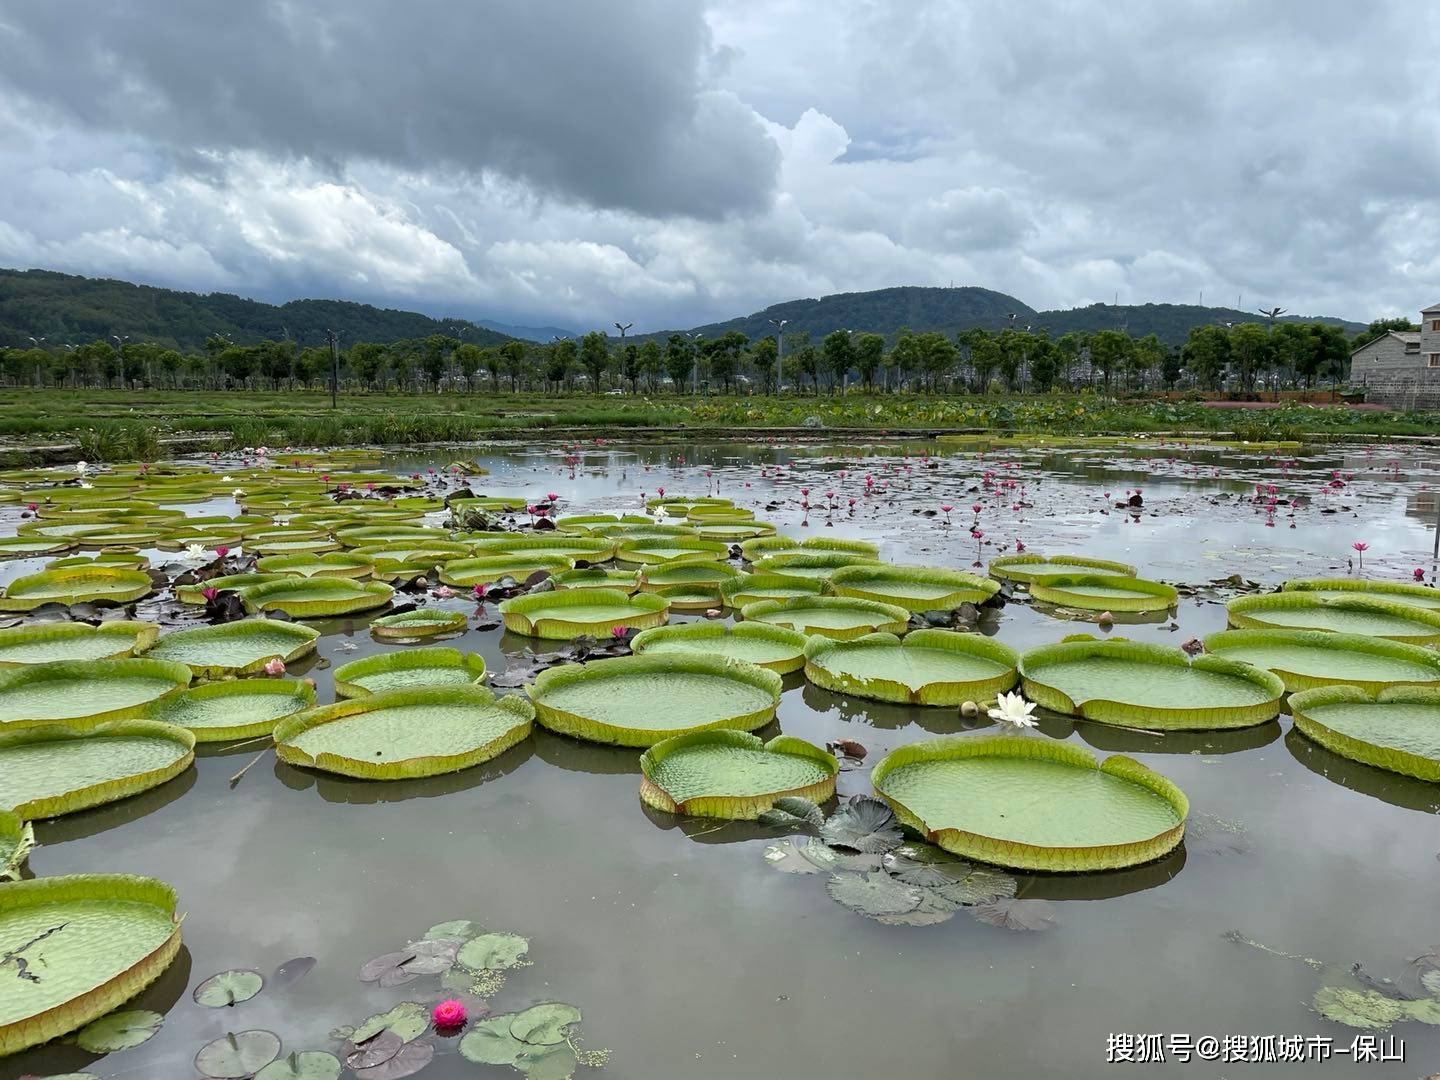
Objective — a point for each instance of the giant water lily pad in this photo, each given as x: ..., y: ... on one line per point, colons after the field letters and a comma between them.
x: 370, y: 535
x: 774, y: 647
x: 398, y: 562
x: 317, y: 597
x: 1104, y: 592
x: 17, y: 837
x: 420, y: 623
x: 1032, y: 803
x: 649, y: 552
x: 642, y: 700
x: 928, y: 667
x: 915, y: 588
x: 1131, y: 684
x: 77, y: 947
x: 840, y: 617
x: 811, y: 565
x: 405, y: 733
x: 571, y: 613
x: 407, y: 670
x: 240, y: 583
x: 732, y: 774
x: 242, y: 647
x: 81, y: 584
x: 49, y: 643
x: 339, y: 564
x: 84, y: 693
x: 1307, y: 610
x: 578, y: 548
x: 689, y: 586
x: 491, y: 568
x: 27, y: 547
x: 752, y: 588
x: 597, y: 577
x: 1027, y: 568
x: 1305, y: 659
x: 51, y: 770
x: 1397, y: 728
x: 235, y: 709
x: 1425, y: 596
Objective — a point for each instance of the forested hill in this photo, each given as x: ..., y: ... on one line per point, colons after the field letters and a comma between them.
x: 65, y: 309
x: 1171, y: 323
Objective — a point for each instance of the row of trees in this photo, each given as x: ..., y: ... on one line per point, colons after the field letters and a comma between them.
x: 1242, y: 357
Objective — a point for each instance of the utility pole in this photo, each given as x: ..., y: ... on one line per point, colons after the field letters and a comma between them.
x: 695, y: 369
x: 779, y: 325
x: 334, y: 340
x: 622, y: 329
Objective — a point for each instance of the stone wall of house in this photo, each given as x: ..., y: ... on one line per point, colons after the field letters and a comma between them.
x: 1403, y: 388
x: 1384, y: 352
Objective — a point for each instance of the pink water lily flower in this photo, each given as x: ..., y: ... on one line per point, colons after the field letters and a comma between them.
x: 1419, y: 573
x: 619, y: 632
x: 275, y: 666
x: 449, y: 1014
x: 209, y: 592
x: 222, y: 551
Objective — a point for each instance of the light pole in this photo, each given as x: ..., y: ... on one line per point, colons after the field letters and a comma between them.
x: 333, y: 337
x: 1271, y: 315
x: 623, y: 328
x: 695, y: 362
x: 779, y: 325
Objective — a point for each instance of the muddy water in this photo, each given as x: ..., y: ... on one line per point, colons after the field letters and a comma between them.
x: 690, y: 957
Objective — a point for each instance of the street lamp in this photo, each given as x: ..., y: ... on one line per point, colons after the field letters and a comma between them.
x: 779, y: 325
x: 695, y: 368
x: 623, y: 328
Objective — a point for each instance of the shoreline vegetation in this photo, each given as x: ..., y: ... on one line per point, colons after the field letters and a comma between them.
x: 102, y: 425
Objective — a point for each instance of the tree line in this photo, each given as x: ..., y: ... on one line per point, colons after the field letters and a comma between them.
x: 1243, y: 357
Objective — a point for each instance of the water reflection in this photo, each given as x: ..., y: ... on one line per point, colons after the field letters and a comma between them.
x: 577, y: 755
x: 1128, y: 741
x: 99, y: 819
x: 334, y: 788
x: 1403, y: 791
x: 1103, y: 885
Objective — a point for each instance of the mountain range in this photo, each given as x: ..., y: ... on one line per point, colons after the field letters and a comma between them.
x: 54, y: 308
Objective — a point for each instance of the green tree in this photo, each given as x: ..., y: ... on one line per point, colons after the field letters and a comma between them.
x: 869, y: 358
x: 804, y: 363
x: 559, y: 362
x: 679, y: 360
x: 838, y: 355
x: 1149, y: 351
x: 434, y: 355
x: 1379, y: 328
x: 630, y: 366
x: 594, y: 357
x: 366, y: 359
x: 512, y: 362
x: 1251, y: 350
x: 1171, y: 367
x: 937, y: 356
x: 1110, y: 351
x: 1044, y: 363
x: 1207, y: 354
x: 652, y: 362
x: 762, y: 357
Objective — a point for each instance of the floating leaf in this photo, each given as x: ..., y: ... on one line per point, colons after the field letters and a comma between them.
x: 304, y: 1065
x: 979, y: 885
x: 556, y: 1062
x: 1015, y: 914
x: 925, y: 864
x: 490, y: 1043
x: 228, y: 988
x: 1431, y: 981
x: 409, y: 1020
x: 236, y: 1056
x: 863, y: 824
x: 935, y: 907
x: 800, y: 857
x: 374, y: 1050
x: 1365, y: 1009
x: 493, y: 952
x: 793, y: 811
x: 1426, y: 1010
x: 292, y: 971
x: 420, y: 958
x: 119, y: 1031
x: 875, y: 893
x: 544, y: 1024
x: 413, y: 1057
x: 454, y: 930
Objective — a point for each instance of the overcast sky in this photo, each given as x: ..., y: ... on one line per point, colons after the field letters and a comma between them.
x: 671, y: 162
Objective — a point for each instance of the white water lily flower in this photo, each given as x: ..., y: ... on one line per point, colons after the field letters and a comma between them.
x: 237, y: 493
x: 226, y: 479
x: 86, y: 484
x: 81, y: 466
x: 195, y: 553
x: 1014, y: 711
x: 660, y: 514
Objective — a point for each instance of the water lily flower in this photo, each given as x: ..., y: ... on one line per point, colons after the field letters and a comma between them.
x: 1019, y: 545
x: 444, y: 592
x: 237, y: 493
x: 618, y: 632
x: 1014, y: 711
x: 194, y: 553
x: 1361, y: 547
x: 479, y: 591
x: 32, y: 507
x: 552, y: 497
x: 449, y: 1014
x: 81, y: 466
x: 86, y: 484
x: 226, y: 479
x: 222, y: 551
x: 1419, y: 573
x: 209, y: 592
x: 275, y: 666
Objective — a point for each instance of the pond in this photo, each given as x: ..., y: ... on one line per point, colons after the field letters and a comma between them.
x: 688, y: 955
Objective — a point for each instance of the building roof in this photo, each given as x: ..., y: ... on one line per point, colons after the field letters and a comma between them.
x: 1431, y: 309
x: 1408, y: 337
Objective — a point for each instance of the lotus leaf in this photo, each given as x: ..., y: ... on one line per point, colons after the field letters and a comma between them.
x: 732, y: 774
x: 493, y: 952
x: 308, y: 564
x: 84, y: 693
x: 302, y: 1065
x: 422, y: 622
x: 545, y: 1024
x: 584, y: 524
x: 633, y: 533
x: 1031, y: 803
x: 929, y: 667
x: 1303, y: 610
x: 51, y: 770
x: 875, y: 893
x: 1305, y: 659
x: 840, y: 617
x: 238, y: 1055
x: 597, y: 577
x: 752, y: 588
x: 49, y: 643
x: 1425, y: 596
x: 81, y: 584
x: 317, y: 597
x: 760, y: 546
x: 118, y: 1031
x: 811, y: 565
x: 401, y: 734
x: 136, y: 537
x: 1131, y: 684
x: 1027, y: 568
x: 915, y: 588
x: 1397, y: 728
x: 642, y: 700
x: 774, y: 647
x: 491, y: 568
x: 99, y: 938
x: 240, y: 583
x: 572, y: 613
x: 733, y: 532
x: 408, y: 670
x: 235, y: 709
x: 1104, y: 592
x: 235, y: 648
x: 228, y: 988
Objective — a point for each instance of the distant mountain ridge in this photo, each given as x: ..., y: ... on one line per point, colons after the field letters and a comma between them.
x: 527, y: 333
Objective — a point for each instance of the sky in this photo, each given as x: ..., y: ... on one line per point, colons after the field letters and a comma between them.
x: 675, y: 162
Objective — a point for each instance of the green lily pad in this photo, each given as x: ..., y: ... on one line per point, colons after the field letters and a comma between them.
x: 753, y: 588
x: 597, y: 577
x: 1104, y: 592
x: 240, y: 583
x: 238, y: 709
x: 242, y: 647
x: 571, y: 613
x: 545, y: 1024
x: 865, y: 825
x: 493, y: 952
x: 637, y: 551
x: 50, y: 769
x: 1397, y: 728
x: 1305, y: 659
x: 557, y: 1062
x: 28, y: 547
x: 93, y: 584
x: 397, y: 562
x: 49, y: 643
x: 228, y: 988
x: 1424, y: 596
x: 1131, y: 684
x: 1027, y: 568
x: 642, y: 700
x: 793, y: 811
x: 489, y: 1042
x: 587, y: 548
x: 17, y: 838
x: 99, y: 938
x: 732, y: 774
x: 1031, y: 803
x: 302, y: 1065
x: 1368, y: 1010
x: 409, y: 1020
x: 308, y: 564
x: 841, y: 617
x: 317, y: 597
x: 400, y: 734
x: 238, y: 1055
x: 874, y: 893
x: 1300, y: 610
x: 928, y: 667
x: 487, y: 569
x: 118, y: 1031
x: 84, y: 693
x: 689, y: 586
x: 774, y: 647
x: 408, y: 670
x: 915, y: 588
x: 420, y: 623
x: 811, y: 565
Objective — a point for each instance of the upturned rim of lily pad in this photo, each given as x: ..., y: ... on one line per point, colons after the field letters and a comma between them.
x: 737, y: 591
x: 1248, y: 613
x: 420, y: 623
x: 690, y: 547
x: 138, y: 667
x: 645, y: 609
x: 964, y: 587
x: 85, y: 584
x: 406, y: 768
x: 889, y: 618
x: 341, y: 596
x: 709, y: 634
x: 106, y: 791
x: 1026, y: 856
x: 734, y: 807
x: 1027, y: 567
x: 592, y: 730
x: 130, y: 637
x: 1059, y: 589
x: 304, y: 638
x: 167, y: 710
x: 115, y: 989
x: 433, y: 657
x: 1116, y: 711
x: 1365, y: 585
x: 309, y: 564
x: 240, y: 583
x: 488, y: 569
x: 789, y: 563
x: 1303, y: 707
x: 1324, y: 640
x: 592, y: 549
x: 825, y: 658
x: 597, y: 577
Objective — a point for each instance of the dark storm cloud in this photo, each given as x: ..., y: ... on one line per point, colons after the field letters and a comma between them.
x: 599, y: 102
